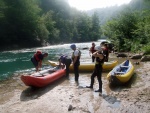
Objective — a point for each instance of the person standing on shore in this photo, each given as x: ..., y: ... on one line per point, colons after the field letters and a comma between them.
x: 76, y: 60
x: 100, y: 57
x: 65, y: 61
x: 92, y: 50
x: 37, y: 59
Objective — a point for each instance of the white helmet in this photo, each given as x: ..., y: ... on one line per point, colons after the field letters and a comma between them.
x: 98, y: 48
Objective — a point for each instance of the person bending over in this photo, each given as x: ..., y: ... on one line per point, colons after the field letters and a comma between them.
x: 65, y: 61
x: 37, y: 59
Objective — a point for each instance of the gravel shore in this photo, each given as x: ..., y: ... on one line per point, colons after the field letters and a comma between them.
x: 67, y: 96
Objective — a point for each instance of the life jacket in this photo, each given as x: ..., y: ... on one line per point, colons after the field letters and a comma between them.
x: 79, y: 55
x: 106, y: 53
x: 100, y: 61
x: 93, y: 49
x: 36, y: 55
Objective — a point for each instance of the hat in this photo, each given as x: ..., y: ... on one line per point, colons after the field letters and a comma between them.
x: 98, y: 48
x: 73, y: 46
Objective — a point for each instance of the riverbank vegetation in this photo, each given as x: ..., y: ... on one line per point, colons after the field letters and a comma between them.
x: 130, y: 29
x: 31, y: 23
x: 26, y: 23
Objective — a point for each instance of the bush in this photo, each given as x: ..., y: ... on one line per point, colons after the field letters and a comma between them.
x: 146, y: 49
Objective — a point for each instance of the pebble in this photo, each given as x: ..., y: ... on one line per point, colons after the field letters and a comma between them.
x: 70, y: 108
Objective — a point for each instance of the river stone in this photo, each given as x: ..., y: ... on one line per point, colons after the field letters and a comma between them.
x: 145, y: 58
x: 136, y: 56
x: 70, y: 108
x: 121, y: 55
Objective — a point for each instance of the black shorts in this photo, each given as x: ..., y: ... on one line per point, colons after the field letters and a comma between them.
x: 34, y: 61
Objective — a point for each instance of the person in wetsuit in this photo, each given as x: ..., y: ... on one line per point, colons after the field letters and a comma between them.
x: 100, y: 57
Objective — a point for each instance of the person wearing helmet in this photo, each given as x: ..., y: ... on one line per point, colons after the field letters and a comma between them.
x: 98, y: 68
x: 65, y: 61
x: 37, y: 59
x: 76, y: 60
x: 92, y: 50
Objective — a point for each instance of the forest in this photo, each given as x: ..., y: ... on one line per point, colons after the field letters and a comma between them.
x: 33, y: 23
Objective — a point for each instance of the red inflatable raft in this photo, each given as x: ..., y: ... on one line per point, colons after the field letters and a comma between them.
x: 42, y: 78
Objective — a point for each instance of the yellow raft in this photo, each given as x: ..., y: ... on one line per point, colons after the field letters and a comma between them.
x: 121, y: 73
x: 88, y: 66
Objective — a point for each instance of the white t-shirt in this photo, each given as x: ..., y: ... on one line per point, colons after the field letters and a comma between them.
x: 76, y: 53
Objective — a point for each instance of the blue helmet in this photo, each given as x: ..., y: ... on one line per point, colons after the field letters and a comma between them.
x: 73, y: 46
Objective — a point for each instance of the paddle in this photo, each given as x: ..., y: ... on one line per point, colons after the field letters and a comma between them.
x: 40, y: 73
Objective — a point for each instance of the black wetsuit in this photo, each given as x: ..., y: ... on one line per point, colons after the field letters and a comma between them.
x: 97, y: 72
x: 76, y: 66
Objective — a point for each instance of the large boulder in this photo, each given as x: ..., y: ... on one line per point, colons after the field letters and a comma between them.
x: 137, y: 56
x: 145, y: 58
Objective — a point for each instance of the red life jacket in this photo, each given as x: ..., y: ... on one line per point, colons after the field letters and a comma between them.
x: 93, y: 50
x: 37, y: 54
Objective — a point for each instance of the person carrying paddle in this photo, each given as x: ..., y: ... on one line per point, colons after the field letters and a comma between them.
x: 100, y: 57
x: 76, y: 60
x: 92, y: 50
x: 65, y: 61
x: 37, y: 59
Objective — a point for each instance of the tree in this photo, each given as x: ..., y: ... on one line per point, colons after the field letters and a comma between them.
x: 22, y: 21
x: 121, y: 28
x: 95, y: 31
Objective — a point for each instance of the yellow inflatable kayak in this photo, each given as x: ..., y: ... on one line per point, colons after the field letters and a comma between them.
x: 121, y: 73
x: 88, y: 66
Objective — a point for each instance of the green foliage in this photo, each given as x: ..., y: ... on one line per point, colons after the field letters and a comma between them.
x: 129, y: 30
x: 26, y: 23
x: 146, y: 49
x: 21, y: 22
x: 95, y: 28
x: 121, y: 29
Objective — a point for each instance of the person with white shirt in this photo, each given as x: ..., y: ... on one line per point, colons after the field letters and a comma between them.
x: 75, y: 60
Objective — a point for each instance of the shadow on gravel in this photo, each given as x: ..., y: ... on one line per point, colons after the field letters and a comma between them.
x: 118, y: 88
x: 33, y: 93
